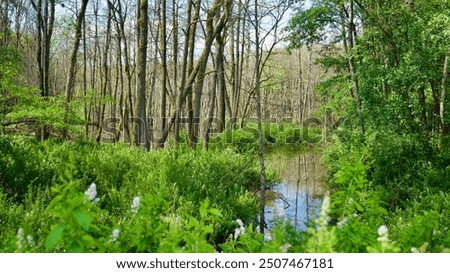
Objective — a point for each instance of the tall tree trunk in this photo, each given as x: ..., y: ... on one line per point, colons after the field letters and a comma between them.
x: 105, y: 79
x: 352, y: 65
x: 4, y: 23
x: 85, y: 104
x: 184, y: 65
x: 221, y: 100
x: 141, y: 132
x: 127, y: 112
x: 189, y: 87
x: 262, y: 198
x: 163, y: 45
x: 45, y: 17
x: 443, y: 95
x: 212, y: 99
x: 73, y: 60
x: 73, y: 55
x: 202, y: 60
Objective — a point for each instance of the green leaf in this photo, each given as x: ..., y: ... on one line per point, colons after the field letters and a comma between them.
x: 215, y: 212
x: 208, y: 230
x: 83, y: 219
x: 358, y: 206
x: 54, y: 236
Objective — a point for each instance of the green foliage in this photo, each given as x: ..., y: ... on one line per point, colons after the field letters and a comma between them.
x: 309, y: 24
x: 172, y: 184
x: 393, y: 172
x: 322, y: 239
x: 284, y: 136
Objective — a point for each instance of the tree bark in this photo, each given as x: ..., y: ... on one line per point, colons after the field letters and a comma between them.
x: 45, y: 17
x: 141, y: 132
x: 164, y: 65
x: 221, y: 84
x: 184, y: 65
x: 105, y: 79
x: 73, y: 55
x: 201, y: 62
x: 443, y: 95
x: 352, y: 66
x: 73, y: 60
x: 262, y: 198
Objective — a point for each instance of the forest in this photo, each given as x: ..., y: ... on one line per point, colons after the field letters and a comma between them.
x: 168, y: 126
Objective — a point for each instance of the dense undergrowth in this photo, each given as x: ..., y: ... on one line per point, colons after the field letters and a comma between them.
x: 388, y: 193
x: 180, y: 190
x: 391, y: 179
x: 79, y: 196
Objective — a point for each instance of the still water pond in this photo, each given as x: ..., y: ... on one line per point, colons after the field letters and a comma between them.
x: 299, y: 196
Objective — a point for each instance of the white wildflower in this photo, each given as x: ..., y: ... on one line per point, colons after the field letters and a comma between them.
x: 30, y: 240
x: 414, y: 250
x: 257, y: 229
x: 341, y: 223
x: 237, y: 233
x: 323, y: 219
x: 91, y: 192
x: 284, y: 248
x: 268, y: 236
x: 115, y: 235
x: 20, y: 238
x: 242, y: 229
x: 239, y: 222
x: 136, y: 204
x: 325, y: 206
x: 382, y: 230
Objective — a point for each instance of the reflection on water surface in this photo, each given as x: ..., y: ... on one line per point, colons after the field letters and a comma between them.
x: 299, y: 196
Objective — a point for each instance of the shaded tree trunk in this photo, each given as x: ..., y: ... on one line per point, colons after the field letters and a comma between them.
x: 262, y: 199
x: 45, y: 17
x: 163, y: 45
x: 73, y: 60
x: 443, y: 95
x: 201, y: 61
x: 141, y: 132
x: 105, y: 79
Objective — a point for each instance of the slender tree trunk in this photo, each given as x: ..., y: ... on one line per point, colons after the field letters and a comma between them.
x: 4, y: 24
x: 184, y: 65
x: 221, y: 84
x: 73, y: 60
x: 85, y: 104
x: 189, y: 87
x: 105, y: 80
x: 45, y: 17
x: 212, y: 107
x: 233, y: 56
x: 262, y: 198
x: 443, y: 95
x: 73, y: 56
x: 352, y: 65
x: 201, y: 60
x: 164, y: 65
x: 141, y: 132
x: 127, y: 105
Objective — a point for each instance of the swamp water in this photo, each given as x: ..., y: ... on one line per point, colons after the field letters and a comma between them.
x: 299, y: 196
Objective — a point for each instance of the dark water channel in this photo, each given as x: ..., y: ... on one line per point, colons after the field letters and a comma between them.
x: 299, y: 196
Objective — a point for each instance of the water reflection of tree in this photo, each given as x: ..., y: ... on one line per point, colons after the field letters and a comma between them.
x: 301, y: 188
